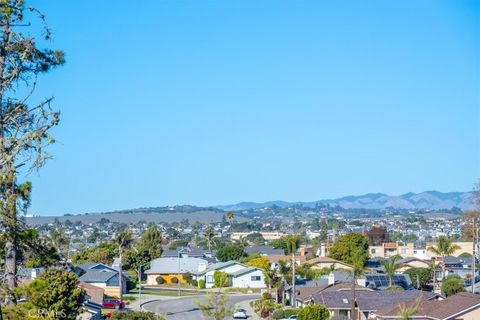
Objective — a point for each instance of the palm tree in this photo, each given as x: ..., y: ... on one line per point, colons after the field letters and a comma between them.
x: 230, y: 216
x: 293, y: 242
x: 284, y: 272
x: 445, y: 247
x: 406, y: 311
x: 123, y: 240
x: 390, y: 266
x: 209, y: 237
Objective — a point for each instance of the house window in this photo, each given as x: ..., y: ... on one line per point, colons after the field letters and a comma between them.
x: 373, y: 250
x: 256, y: 278
x: 209, y: 279
x: 404, y: 250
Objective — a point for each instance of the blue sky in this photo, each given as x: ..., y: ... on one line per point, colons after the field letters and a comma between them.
x: 216, y: 102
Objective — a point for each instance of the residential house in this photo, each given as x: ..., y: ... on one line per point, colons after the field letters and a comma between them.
x: 240, y: 275
x: 264, y: 251
x: 366, y: 302
x: 92, y: 306
x: 329, y: 263
x: 100, y: 275
x: 461, y: 306
x: 174, y: 269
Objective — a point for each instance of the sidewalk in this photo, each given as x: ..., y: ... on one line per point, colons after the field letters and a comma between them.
x: 136, y: 305
x: 246, y: 305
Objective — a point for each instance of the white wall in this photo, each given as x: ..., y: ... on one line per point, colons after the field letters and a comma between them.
x: 245, y: 280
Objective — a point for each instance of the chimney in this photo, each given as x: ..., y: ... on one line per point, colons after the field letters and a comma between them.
x: 331, y: 278
x: 34, y: 273
x: 302, y: 252
x: 323, y: 250
x: 362, y: 282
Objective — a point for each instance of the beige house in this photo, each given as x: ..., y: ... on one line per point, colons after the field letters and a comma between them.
x: 326, y: 262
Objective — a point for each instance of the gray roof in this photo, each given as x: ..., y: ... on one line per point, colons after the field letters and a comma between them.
x: 26, y: 273
x: 192, y: 252
x: 171, y: 265
x: 243, y: 271
x: 97, y: 276
x: 219, y: 266
x: 368, y: 300
x: 264, y: 250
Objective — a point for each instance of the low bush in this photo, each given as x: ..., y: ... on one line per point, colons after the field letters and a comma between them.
x: 201, y: 283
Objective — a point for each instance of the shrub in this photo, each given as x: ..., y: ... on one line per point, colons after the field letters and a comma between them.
x: 313, y: 312
x: 266, y: 296
x: 291, y: 311
x: 131, y: 284
x: 452, y: 284
x: 160, y: 280
x: 278, y: 314
x: 220, y: 279
x: 201, y: 284
x: 174, y: 280
x: 194, y: 282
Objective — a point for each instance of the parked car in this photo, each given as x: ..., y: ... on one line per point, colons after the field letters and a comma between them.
x: 292, y: 317
x: 240, y: 314
x: 111, y: 303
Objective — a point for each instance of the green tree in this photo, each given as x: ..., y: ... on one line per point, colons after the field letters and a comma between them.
x: 350, y: 248
x: 55, y: 292
x: 216, y: 306
x: 445, y: 247
x: 424, y: 276
x: 230, y: 252
x: 260, y: 262
x: 313, y: 312
x: 220, y: 279
x: 24, y: 127
x: 149, y: 247
x: 390, y: 266
x: 452, y: 285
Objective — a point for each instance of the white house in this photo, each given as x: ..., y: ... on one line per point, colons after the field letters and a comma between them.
x: 240, y: 275
x: 248, y: 278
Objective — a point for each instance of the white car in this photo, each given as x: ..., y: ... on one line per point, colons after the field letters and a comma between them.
x: 292, y: 317
x: 240, y: 314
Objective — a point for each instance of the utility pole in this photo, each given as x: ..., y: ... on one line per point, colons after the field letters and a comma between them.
x: 140, y: 286
x: 474, y: 253
x: 294, y: 297
x: 178, y: 282
x: 353, y: 315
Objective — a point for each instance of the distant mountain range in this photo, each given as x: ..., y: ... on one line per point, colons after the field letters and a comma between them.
x: 428, y: 200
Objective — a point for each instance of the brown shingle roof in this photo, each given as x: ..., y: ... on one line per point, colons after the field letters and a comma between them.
x: 442, y: 309
x: 94, y: 293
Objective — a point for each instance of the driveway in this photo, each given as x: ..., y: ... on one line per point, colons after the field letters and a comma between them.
x: 185, y: 307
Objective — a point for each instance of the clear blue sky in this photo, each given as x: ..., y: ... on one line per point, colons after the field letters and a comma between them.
x: 216, y: 102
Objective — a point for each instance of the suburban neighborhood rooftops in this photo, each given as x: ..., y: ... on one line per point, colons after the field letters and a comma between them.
x: 368, y: 300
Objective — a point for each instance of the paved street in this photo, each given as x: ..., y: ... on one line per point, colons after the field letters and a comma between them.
x: 185, y: 308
